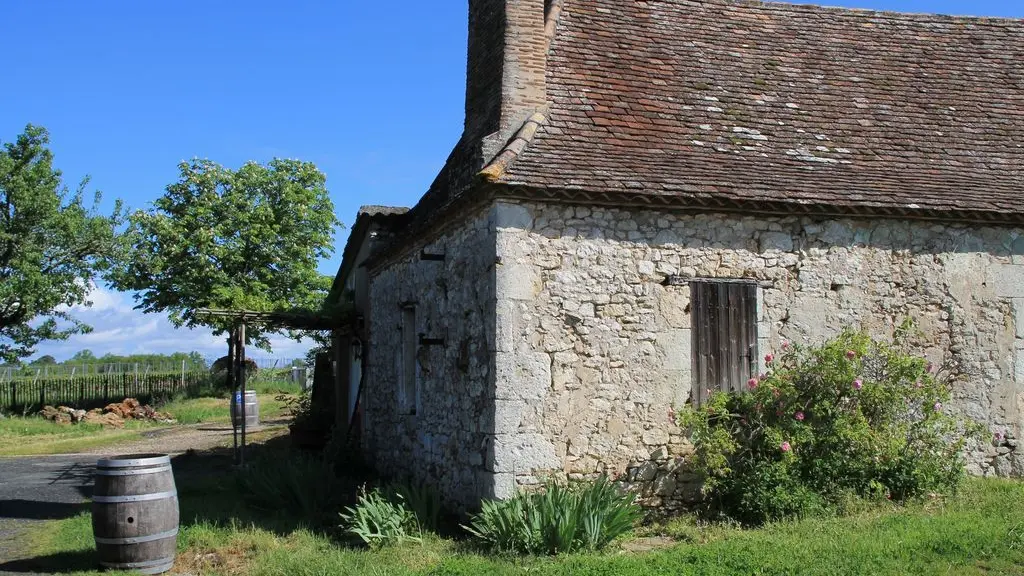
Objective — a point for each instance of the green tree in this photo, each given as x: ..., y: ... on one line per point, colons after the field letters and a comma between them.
x: 44, y: 361
x: 231, y: 239
x: 52, y: 246
x: 83, y: 357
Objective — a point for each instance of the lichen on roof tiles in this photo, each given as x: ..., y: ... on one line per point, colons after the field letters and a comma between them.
x: 791, y: 102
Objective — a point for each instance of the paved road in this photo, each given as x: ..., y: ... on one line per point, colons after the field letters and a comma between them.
x: 36, y: 489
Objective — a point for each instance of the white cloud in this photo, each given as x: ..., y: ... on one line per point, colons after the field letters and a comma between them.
x: 120, y: 329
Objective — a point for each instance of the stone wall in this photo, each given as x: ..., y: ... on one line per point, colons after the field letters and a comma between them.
x: 444, y: 443
x: 593, y: 352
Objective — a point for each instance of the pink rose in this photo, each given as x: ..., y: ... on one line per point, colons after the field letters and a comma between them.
x: 799, y: 416
x: 997, y: 436
x: 785, y: 344
x: 858, y: 384
x: 769, y: 358
x: 752, y: 383
x: 938, y: 406
x: 850, y: 354
x: 785, y: 447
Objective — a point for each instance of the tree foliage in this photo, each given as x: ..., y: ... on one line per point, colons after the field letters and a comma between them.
x: 52, y: 246
x: 231, y: 239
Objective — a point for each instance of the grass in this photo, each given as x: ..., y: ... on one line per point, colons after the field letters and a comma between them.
x: 201, y: 410
x: 32, y: 435
x: 980, y: 531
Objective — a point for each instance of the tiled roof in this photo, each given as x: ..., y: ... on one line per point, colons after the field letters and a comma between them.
x: 766, y: 102
x: 390, y: 218
x: 375, y: 210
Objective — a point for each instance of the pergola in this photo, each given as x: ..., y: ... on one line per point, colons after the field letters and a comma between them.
x: 321, y: 321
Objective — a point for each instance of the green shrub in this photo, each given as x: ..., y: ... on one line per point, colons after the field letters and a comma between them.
x: 558, y: 519
x: 853, y: 418
x: 298, y: 485
x: 421, y: 499
x: 379, y: 519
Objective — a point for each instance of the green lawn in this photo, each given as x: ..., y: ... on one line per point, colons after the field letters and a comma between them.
x: 199, y: 410
x: 981, y: 531
x: 21, y: 436
x: 32, y: 435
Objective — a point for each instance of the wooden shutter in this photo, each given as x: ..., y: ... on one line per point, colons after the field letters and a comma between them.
x: 724, y: 315
x: 408, y: 369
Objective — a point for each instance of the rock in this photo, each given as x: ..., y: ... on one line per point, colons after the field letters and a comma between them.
x: 109, y: 420
x: 118, y: 409
x: 49, y: 413
x: 647, y: 472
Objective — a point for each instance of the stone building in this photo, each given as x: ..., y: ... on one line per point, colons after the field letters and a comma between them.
x: 639, y: 183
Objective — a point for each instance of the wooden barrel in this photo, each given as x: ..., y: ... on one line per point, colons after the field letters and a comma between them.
x: 251, y: 410
x: 135, y: 513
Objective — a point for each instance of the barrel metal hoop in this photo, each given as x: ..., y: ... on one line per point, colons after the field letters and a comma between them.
x: 136, y: 472
x: 131, y: 462
x: 130, y: 565
x: 138, y: 539
x: 137, y: 498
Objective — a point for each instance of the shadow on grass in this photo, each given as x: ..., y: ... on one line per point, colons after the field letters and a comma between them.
x: 272, y: 492
x: 36, y: 510
x: 62, y: 562
x: 212, y: 491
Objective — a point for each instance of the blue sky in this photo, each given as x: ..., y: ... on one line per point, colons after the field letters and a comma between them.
x: 373, y: 96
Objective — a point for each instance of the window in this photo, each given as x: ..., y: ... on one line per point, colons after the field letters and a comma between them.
x: 408, y: 384
x: 724, y: 335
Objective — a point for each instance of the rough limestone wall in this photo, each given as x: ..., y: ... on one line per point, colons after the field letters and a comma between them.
x: 594, y: 352
x: 444, y: 444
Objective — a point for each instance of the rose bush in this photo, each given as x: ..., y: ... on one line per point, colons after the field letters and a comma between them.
x: 855, y: 417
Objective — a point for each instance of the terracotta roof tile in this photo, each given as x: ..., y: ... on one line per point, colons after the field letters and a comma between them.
x: 751, y: 101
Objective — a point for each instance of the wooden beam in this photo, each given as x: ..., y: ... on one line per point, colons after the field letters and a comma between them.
x: 426, y: 256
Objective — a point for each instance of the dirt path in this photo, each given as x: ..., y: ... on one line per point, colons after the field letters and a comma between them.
x: 180, y: 439
x: 34, y: 489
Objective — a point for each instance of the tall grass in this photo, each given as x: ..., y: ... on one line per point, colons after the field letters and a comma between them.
x: 556, y: 520
x: 380, y: 520
x: 301, y: 486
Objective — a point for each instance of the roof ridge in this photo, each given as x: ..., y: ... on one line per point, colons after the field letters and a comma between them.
x: 496, y: 168
x: 816, y: 6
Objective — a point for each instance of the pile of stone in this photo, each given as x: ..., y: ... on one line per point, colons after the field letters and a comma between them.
x: 111, y: 416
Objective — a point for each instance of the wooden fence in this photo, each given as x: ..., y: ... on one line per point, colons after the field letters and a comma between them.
x: 31, y: 393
